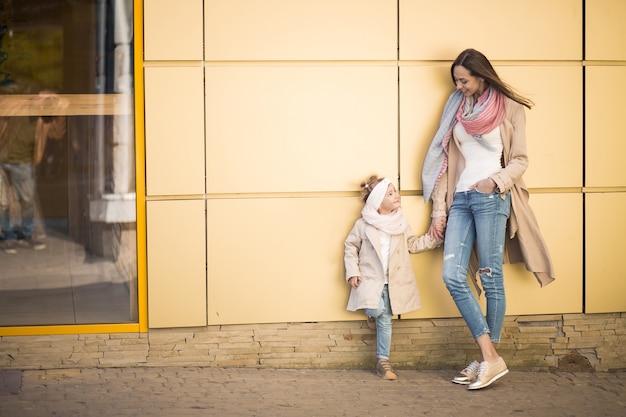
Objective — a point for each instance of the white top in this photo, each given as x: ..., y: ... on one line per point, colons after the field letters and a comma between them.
x: 385, y: 246
x: 482, y: 157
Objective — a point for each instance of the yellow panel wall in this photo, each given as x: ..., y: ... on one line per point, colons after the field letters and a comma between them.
x: 424, y: 90
x: 554, y: 133
x: 604, y: 35
x: 605, y: 173
x: 605, y: 226
x: 299, y: 128
x: 605, y: 144
x: 302, y: 100
x: 176, y: 263
x: 561, y: 228
x: 274, y: 258
x: 300, y: 30
x: 174, y: 130
x: 174, y: 146
x: 173, y: 30
x: 519, y: 30
x: 277, y: 259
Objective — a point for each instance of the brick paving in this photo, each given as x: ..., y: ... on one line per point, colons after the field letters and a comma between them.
x: 210, y: 391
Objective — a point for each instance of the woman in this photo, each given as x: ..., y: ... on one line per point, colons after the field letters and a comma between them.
x: 473, y: 173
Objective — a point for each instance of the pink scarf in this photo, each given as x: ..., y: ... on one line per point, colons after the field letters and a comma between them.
x: 477, y: 117
x: 484, y: 115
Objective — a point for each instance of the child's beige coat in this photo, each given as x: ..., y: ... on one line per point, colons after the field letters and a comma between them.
x: 362, y: 258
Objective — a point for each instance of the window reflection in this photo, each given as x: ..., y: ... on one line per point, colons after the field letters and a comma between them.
x: 67, y: 183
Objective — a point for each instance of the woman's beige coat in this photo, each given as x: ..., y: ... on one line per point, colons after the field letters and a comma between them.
x: 525, y: 243
x: 363, y: 258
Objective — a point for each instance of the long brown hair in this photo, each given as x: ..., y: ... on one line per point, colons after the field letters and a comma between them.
x: 479, y: 66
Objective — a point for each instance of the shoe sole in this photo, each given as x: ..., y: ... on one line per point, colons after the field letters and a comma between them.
x: 491, y: 381
x: 462, y: 382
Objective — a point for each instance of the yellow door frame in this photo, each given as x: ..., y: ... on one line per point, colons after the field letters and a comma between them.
x: 142, y: 285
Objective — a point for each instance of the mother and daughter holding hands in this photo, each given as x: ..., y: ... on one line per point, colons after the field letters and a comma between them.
x: 473, y: 175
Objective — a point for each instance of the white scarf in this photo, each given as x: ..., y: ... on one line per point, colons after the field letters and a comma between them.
x: 392, y: 223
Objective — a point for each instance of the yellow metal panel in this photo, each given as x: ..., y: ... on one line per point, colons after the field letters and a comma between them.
x: 554, y: 134
x: 438, y: 30
x: 173, y: 30
x: 176, y: 263
x: 423, y: 93
x: 605, y: 227
x: 553, y: 126
x: 604, y: 30
x: 560, y: 219
x: 278, y: 259
x: 604, y: 127
x: 300, y: 30
x: 174, y: 130
x: 299, y: 128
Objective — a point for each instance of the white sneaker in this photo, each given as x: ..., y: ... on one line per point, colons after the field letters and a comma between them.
x: 488, y: 373
x: 9, y: 246
x: 32, y: 244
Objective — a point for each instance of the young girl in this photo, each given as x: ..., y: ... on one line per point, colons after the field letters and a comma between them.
x: 378, y: 267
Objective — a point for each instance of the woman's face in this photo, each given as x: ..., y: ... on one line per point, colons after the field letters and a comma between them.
x: 391, y: 202
x: 467, y: 83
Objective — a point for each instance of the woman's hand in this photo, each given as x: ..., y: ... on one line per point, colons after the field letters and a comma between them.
x: 354, y: 282
x: 437, y: 226
x: 485, y: 186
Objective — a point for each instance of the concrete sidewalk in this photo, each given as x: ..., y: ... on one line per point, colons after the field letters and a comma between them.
x: 200, y: 391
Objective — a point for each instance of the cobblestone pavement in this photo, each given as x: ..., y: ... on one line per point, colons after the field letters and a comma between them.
x: 200, y: 391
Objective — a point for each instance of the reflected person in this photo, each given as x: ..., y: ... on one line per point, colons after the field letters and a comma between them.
x: 17, y: 168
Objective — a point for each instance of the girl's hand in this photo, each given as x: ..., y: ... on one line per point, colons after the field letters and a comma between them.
x: 354, y: 282
x: 437, y: 226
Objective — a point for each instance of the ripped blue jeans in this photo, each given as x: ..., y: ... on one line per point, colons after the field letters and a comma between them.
x: 383, y: 317
x: 477, y: 218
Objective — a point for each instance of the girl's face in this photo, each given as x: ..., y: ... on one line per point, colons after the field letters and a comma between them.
x: 467, y: 83
x: 391, y: 202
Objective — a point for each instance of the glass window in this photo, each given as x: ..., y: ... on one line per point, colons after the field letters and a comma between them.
x: 67, y: 163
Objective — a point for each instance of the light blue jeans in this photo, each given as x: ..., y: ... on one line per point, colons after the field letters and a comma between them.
x: 18, y: 178
x: 383, y: 316
x: 477, y: 218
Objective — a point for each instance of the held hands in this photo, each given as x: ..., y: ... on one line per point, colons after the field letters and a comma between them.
x: 355, y: 282
x: 437, y: 226
x: 485, y: 186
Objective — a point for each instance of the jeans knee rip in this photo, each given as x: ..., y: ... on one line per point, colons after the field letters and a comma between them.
x: 486, y: 271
